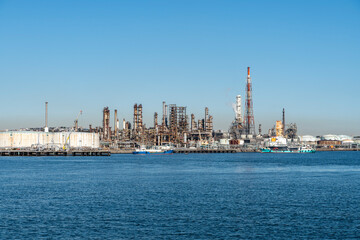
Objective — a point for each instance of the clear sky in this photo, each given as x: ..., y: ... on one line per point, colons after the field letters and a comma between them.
x: 85, y: 55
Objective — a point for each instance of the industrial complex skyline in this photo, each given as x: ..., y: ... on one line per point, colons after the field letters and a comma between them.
x: 86, y: 55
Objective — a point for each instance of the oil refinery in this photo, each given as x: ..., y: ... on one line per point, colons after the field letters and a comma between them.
x: 175, y: 128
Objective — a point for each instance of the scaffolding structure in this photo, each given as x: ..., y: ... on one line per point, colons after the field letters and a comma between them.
x: 106, y: 131
x: 173, y: 130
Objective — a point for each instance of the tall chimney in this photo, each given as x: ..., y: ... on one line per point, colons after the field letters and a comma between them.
x: 46, y: 117
x: 283, y: 121
x: 249, y: 122
x: 115, y: 123
x: 206, y: 118
x: 163, y: 119
x: 166, y: 115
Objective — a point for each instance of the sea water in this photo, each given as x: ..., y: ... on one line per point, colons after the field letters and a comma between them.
x: 194, y: 196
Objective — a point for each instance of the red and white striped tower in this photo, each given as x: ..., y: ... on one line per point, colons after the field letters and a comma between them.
x: 249, y: 122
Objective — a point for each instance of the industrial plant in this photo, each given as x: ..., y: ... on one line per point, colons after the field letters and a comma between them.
x: 174, y: 127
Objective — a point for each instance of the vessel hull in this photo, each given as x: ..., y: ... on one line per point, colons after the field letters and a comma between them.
x: 155, y: 152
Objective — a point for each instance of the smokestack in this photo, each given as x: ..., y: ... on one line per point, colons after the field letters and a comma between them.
x: 115, y: 122
x: 164, y: 108
x: 206, y: 118
x: 46, y: 117
x: 249, y: 122
x: 163, y: 119
x: 283, y: 121
x: 166, y: 115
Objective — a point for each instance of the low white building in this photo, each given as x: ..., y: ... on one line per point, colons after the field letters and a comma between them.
x: 56, y: 140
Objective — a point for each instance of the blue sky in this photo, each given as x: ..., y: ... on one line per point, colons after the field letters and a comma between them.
x: 85, y: 55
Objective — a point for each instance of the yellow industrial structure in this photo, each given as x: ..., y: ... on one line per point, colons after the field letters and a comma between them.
x: 279, y: 129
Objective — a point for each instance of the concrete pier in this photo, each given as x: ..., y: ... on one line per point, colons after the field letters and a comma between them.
x: 34, y: 153
x: 187, y: 150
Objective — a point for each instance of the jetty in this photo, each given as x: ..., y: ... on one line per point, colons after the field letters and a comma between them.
x: 38, y: 153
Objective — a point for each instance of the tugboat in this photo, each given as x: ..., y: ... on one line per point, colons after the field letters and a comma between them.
x: 306, y: 149
x: 154, y: 150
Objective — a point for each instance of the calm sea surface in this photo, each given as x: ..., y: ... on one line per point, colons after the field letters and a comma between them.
x: 195, y: 196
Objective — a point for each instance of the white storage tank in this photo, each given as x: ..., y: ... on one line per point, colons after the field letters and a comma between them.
x: 28, y: 139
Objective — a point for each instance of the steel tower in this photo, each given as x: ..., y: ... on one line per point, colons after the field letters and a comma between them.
x: 249, y: 122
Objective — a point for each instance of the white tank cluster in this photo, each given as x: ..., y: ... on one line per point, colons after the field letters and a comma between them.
x: 50, y: 140
x: 54, y: 140
x: 344, y: 139
x: 332, y: 137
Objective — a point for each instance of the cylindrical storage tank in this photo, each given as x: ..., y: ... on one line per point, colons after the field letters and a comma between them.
x: 30, y: 139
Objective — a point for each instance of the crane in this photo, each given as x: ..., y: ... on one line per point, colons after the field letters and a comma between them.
x: 73, y: 129
x: 77, y: 121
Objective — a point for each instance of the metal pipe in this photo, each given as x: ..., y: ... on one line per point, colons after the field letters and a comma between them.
x: 46, y: 117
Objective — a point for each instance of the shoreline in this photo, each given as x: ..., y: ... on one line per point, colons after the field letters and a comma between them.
x: 34, y: 153
x: 199, y: 151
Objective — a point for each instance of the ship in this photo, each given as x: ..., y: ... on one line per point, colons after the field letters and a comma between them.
x: 154, y: 150
x: 281, y: 145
